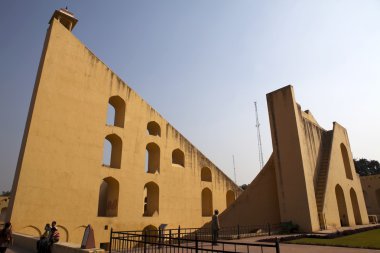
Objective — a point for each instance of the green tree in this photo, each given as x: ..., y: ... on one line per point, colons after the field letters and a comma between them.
x: 5, y: 193
x: 366, y: 167
x: 244, y: 186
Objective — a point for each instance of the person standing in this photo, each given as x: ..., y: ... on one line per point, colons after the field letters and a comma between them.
x: 6, y: 239
x: 43, y: 242
x: 215, y: 227
x: 54, y: 235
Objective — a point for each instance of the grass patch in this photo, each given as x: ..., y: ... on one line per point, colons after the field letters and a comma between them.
x: 369, y: 239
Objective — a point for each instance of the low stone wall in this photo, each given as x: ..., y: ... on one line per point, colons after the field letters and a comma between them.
x: 25, y: 241
x: 29, y: 243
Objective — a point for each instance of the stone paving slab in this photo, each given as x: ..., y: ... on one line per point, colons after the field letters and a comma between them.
x: 297, y: 248
x: 284, y: 248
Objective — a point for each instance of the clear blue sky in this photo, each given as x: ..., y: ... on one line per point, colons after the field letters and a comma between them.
x: 202, y: 64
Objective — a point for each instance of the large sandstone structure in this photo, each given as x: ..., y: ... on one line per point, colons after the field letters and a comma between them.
x: 310, y: 178
x: 153, y: 175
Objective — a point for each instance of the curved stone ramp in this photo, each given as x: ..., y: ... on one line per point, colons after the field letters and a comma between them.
x: 258, y: 204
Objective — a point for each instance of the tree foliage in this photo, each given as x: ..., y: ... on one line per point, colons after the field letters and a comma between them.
x: 244, y: 186
x: 366, y: 167
x: 5, y: 193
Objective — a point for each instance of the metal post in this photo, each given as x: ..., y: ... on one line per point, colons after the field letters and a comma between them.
x: 238, y: 231
x: 110, y: 246
x: 160, y: 238
x: 196, y: 243
x: 145, y: 241
x: 179, y: 235
x: 277, y: 245
x: 170, y: 237
x: 269, y: 229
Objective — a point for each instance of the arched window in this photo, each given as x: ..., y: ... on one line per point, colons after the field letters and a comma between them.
x: 31, y: 230
x: 112, y: 151
x: 355, y: 207
x: 151, y: 199
x: 151, y: 233
x: 230, y: 197
x: 178, y: 157
x: 63, y: 233
x: 108, y: 197
x: 206, y: 174
x: 154, y: 128
x: 346, y: 161
x: 116, y: 111
x: 206, y: 202
x: 152, y: 164
x: 342, y: 207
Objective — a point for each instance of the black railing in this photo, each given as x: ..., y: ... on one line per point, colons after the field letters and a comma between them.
x: 192, y: 240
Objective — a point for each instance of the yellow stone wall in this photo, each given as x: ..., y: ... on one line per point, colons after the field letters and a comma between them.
x: 60, y: 168
x: 258, y: 204
x: 292, y: 172
x: 371, y: 192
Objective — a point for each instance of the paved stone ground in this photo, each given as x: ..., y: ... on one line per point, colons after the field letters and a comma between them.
x: 284, y: 248
x: 15, y: 249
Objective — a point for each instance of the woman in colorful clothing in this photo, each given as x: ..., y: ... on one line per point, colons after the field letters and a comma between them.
x: 54, y: 235
x: 43, y: 242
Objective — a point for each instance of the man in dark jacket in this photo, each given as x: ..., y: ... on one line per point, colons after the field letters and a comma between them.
x: 215, y: 227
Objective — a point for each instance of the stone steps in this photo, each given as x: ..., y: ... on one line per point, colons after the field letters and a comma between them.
x: 323, y: 170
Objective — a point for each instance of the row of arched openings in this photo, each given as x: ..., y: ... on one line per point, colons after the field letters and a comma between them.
x: 109, y: 189
x: 152, y: 158
x: 113, y: 144
x: 113, y: 152
x: 116, y: 116
x: 207, y: 201
x: 342, y: 207
x: 109, y: 199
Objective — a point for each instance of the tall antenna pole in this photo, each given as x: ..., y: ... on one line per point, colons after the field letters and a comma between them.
x: 261, y: 159
x: 233, y: 161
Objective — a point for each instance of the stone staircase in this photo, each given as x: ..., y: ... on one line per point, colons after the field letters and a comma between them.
x: 323, y: 170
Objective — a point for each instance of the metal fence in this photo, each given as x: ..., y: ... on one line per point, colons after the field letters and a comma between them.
x: 192, y: 240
